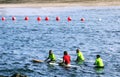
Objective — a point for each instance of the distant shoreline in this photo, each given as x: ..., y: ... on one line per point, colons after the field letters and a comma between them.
x: 87, y: 4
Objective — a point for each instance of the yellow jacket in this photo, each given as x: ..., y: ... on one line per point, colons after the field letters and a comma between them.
x: 99, y: 62
x: 80, y: 56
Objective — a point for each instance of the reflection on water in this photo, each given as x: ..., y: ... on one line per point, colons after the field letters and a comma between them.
x: 99, y: 70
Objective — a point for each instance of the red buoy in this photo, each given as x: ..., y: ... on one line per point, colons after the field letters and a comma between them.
x: 3, y: 19
x: 69, y: 18
x: 13, y: 18
x: 57, y: 18
x: 82, y: 19
x: 38, y: 18
x: 46, y: 18
x: 26, y: 18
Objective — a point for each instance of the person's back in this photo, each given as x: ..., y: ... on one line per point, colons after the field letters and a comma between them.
x: 66, y: 58
x: 99, y: 62
x: 51, y: 57
x: 80, y: 56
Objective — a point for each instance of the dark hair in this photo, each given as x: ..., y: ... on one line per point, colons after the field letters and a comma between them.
x: 77, y: 50
x: 98, y: 56
x: 50, y: 51
x: 65, y: 53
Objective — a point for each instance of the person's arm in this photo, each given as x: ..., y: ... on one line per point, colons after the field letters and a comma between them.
x: 76, y: 59
x: 47, y: 58
x: 70, y: 59
x: 63, y: 59
x: 95, y: 62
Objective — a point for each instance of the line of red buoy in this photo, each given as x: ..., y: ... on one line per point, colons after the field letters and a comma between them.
x: 3, y: 18
x: 46, y: 18
x: 57, y: 18
x: 13, y: 18
x: 38, y: 18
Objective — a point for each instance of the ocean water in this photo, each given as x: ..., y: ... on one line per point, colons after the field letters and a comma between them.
x: 21, y: 41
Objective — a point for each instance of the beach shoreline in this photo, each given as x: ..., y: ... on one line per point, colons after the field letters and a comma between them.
x: 86, y: 4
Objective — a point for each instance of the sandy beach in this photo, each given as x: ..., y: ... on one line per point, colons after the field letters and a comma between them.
x: 87, y: 4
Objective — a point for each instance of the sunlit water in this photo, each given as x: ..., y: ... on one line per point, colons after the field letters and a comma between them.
x: 21, y: 41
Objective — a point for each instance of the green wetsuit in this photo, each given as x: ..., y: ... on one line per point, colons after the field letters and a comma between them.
x: 80, y: 57
x: 99, y: 62
x: 52, y: 57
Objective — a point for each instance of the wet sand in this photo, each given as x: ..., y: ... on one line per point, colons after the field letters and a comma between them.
x: 89, y: 3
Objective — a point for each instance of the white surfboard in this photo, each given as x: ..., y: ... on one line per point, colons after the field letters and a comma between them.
x: 51, y: 63
x: 55, y: 63
x: 70, y: 65
x: 74, y: 66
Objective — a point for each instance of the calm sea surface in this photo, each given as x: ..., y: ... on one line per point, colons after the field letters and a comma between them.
x: 21, y: 41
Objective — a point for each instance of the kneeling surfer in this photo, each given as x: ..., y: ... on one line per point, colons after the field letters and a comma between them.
x: 66, y: 59
x: 51, y: 57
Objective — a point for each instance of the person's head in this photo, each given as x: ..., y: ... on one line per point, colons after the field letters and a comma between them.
x: 97, y: 56
x: 77, y: 51
x: 50, y: 51
x: 65, y: 53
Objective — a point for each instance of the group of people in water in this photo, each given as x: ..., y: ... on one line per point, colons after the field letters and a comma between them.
x: 80, y: 58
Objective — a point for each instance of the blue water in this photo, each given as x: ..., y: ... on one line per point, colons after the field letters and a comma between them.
x: 21, y: 41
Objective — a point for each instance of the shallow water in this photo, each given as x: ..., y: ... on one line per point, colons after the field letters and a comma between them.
x: 22, y: 41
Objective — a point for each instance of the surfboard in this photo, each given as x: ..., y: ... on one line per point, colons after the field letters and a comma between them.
x: 63, y: 65
x: 51, y: 63
x: 74, y: 66
x: 55, y: 63
x: 37, y: 61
